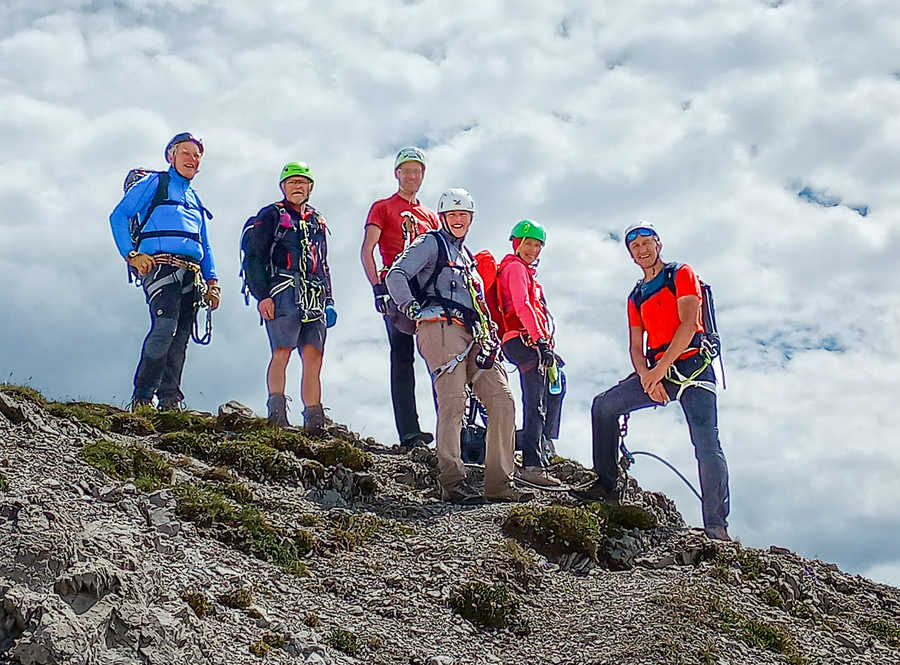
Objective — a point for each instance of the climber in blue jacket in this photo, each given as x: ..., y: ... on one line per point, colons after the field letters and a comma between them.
x: 159, y: 227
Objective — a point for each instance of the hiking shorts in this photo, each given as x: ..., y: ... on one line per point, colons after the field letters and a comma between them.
x: 288, y: 328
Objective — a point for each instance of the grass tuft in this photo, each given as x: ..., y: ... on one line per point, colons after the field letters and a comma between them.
x: 773, y: 597
x: 148, y: 468
x: 198, y: 602
x: 238, y: 598
x: 485, y: 605
x: 26, y: 393
x: 338, y: 451
x: 351, y: 530
x: 260, y: 649
x: 311, y: 620
x: 556, y: 529
x: 4, y: 482
x: 344, y: 641
x: 883, y: 630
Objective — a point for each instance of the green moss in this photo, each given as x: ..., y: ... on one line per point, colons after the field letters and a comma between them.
x: 246, y: 456
x: 219, y: 474
x: 485, y: 605
x: 624, y: 516
x: 280, y: 439
x: 26, y: 393
x: 311, y: 619
x: 179, y: 421
x: 557, y: 529
x: 130, y: 424
x: 773, y: 597
x: 259, y: 648
x: 95, y: 415
x: 307, y: 519
x: 149, y: 469
x: 344, y: 641
x: 338, y: 451
x: 351, y: 530
x: 198, y: 602
x: 4, y: 482
x: 274, y: 640
x: 204, y: 505
x: 884, y: 630
x: 238, y: 598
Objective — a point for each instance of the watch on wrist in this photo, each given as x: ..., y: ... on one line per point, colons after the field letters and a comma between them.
x: 131, y: 255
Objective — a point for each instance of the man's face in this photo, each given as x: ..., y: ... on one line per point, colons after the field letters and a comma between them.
x: 410, y: 176
x: 530, y: 249
x: 186, y: 159
x: 458, y: 222
x: 644, y: 250
x: 297, y: 189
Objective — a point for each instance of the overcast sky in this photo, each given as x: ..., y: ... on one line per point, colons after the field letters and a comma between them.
x: 761, y: 137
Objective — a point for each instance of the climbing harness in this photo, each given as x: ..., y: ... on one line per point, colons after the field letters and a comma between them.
x: 627, y: 458
x: 448, y: 367
x: 684, y: 382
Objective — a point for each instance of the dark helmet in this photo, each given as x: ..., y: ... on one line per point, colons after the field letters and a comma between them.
x: 181, y: 138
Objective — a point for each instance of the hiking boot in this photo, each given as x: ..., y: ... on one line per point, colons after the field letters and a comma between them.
x: 417, y: 440
x: 277, y: 407
x: 717, y: 533
x: 597, y: 492
x: 547, y: 450
x: 137, y: 403
x: 314, y: 420
x: 511, y: 495
x: 537, y: 475
x: 173, y: 404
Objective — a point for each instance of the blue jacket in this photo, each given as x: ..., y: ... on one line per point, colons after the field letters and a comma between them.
x: 187, y: 216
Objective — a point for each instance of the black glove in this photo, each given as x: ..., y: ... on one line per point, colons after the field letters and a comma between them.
x: 381, y: 297
x: 545, y: 352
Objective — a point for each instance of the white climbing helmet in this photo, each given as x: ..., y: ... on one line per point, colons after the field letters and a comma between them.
x: 456, y: 199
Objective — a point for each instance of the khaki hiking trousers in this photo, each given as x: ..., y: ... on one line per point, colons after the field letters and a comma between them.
x: 439, y: 342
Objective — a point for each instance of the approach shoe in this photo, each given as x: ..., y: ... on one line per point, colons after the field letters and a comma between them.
x: 461, y: 495
x: 537, y: 475
x: 597, y: 492
x: 511, y: 495
x: 173, y: 404
x: 137, y: 403
x: 717, y: 533
x: 277, y: 407
x: 314, y: 420
x: 417, y: 440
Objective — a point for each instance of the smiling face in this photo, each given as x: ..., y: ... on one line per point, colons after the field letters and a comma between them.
x: 296, y: 190
x: 457, y: 222
x: 529, y: 250
x: 186, y: 159
x: 410, y: 176
x: 645, y: 250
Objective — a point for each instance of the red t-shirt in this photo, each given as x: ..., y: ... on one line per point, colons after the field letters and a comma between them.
x: 386, y: 215
x: 659, y: 313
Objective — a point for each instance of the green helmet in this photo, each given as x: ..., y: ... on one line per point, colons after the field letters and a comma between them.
x: 529, y: 229
x: 296, y: 168
x: 409, y: 154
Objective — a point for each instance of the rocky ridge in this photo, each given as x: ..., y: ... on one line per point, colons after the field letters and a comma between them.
x: 206, y: 539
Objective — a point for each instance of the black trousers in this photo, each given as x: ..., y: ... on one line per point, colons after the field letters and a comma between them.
x: 403, y: 381
x: 170, y: 297
x: 541, y: 411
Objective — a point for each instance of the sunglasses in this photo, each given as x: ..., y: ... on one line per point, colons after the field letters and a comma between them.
x: 638, y: 232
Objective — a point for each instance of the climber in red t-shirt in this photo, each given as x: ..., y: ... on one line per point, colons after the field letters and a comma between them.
x: 664, y: 307
x: 392, y: 224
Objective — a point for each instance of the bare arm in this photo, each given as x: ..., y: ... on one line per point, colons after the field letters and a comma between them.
x: 688, y: 308
x: 367, y: 254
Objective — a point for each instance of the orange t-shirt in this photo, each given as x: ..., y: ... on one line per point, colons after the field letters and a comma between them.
x: 659, y: 312
x: 386, y: 215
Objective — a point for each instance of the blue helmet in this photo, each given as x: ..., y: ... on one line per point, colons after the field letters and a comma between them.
x: 181, y: 138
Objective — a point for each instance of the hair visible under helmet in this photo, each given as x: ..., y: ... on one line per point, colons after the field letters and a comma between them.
x: 454, y: 199
x: 181, y: 138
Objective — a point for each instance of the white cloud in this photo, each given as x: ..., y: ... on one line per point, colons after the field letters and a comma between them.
x: 706, y: 117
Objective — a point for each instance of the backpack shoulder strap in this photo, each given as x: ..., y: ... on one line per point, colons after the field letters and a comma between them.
x: 669, y: 279
x: 440, y: 263
x: 159, y: 196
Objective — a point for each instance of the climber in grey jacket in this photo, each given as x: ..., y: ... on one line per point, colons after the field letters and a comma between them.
x: 436, y: 284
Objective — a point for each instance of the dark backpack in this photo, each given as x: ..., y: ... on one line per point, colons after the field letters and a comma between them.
x: 710, y: 337
x: 246, y: 233
x: 160, y: 197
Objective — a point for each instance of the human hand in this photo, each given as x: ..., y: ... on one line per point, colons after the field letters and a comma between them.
x: 414, y: 310
x: 547, y: 358
x: 330, y: 316
x: 213, y: 294
x: 381, y: 297
x: 651, y: 381
x: 266, y: 309
x: 143, y: 263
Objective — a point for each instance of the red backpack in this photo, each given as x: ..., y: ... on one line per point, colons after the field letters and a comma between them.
x: 487, y: 268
